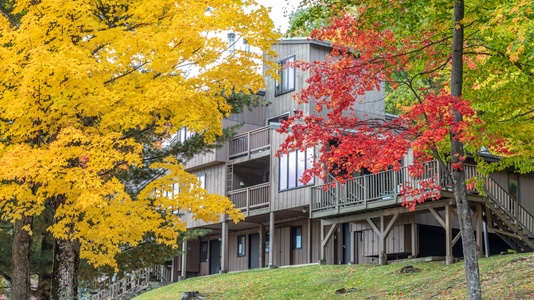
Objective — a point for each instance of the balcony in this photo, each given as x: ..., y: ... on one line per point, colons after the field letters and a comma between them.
x: 252, y: 200
x: 373, y: 191
x: 249, y: 145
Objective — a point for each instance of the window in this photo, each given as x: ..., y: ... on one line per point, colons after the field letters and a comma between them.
x: 287, y: 76
x: 202, y: 179
x: 278, y: 119
x: 296, y: 237
x: 241, y: 243
x: 203, y: 251
x: 231, y: 42
x: 184, y: 134
x: 292, y: 166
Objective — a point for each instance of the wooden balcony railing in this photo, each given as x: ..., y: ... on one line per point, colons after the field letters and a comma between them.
x: 370, y: 190
x: 383, y: 189
x: 251, y: 198
x: 249, y: 143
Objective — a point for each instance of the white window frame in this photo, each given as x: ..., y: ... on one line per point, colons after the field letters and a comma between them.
x: 292, y: 166
x: 286, y: 83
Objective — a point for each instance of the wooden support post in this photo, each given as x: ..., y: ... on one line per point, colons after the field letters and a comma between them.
x: 174, y: 268
x: 224, y: 247
x: 325, y: 239
x: 271, y: 239
x: 415, y: 238
x: 449, y: 259
x: 382, y: 233
x: 262, y: 246
x: 184, y: 260
x: 478, y: 229
x: 485, y: 228
x: 382, y: 256
x: 322, y: 257
x: 309, y: 244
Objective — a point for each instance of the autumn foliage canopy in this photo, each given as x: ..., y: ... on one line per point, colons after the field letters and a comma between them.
x: 88, y: 88
x: 366, y: 58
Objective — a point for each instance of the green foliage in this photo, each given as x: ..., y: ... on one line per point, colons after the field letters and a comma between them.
x: 303, y: 20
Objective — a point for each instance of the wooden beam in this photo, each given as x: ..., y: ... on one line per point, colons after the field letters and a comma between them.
x: 388, y: 212
x: 456, y: 238
x: 329, y: 235
x: 390, y: 225
x: 438, y: 217
x: 375, y: 229
x: 507, y: 233
x: 489, y: 221
x: 475, y: 215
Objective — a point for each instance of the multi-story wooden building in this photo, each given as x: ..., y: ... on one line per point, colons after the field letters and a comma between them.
x: 288, y: 223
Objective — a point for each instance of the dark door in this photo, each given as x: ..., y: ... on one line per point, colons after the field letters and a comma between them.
x: 358, y: 245
x: 215, y: 256
x: 345, y: 243
x: 254, y: 251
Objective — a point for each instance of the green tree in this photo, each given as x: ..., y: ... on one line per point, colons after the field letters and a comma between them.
x: 474, y: 53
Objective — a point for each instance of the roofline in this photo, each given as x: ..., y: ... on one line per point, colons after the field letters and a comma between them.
x: 303, y: 40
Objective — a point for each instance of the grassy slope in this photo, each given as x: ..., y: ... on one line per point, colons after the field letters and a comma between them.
x: 503, y: 277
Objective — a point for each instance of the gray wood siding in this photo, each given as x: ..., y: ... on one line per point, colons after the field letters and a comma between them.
x: 249, y: 120
x: 429, y: 219
x: 398, y: 241
x: 215, y: 183
x: 205, y: 266
x: 237, y: 262
x: 193, y: 257
x: 526, y: 191
x: 250, y: 116
x: 284, y: 103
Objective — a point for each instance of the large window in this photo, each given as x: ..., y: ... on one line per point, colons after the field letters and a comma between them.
x: 292, y: 167
x: 296, y: 237
x: 241, y: 243
x: 287, y: 76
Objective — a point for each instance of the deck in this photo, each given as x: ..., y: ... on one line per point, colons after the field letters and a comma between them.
x: 250, y: 145
x: 252, y: 200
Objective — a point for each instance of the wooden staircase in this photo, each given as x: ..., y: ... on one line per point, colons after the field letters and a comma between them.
x: 133, y: 284
x: 507, y: 218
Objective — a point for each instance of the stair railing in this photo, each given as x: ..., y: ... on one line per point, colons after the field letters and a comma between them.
x: 509, y: 205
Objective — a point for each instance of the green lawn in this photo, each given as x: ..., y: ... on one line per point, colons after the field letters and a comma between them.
x: 503, y: 277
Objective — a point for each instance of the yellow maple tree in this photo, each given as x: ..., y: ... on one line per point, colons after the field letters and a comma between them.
x: 78, y: 77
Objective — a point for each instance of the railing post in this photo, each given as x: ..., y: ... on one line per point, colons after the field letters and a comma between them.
x: 337, y: 196
x: 438, y: 169
x: 247, y: 203
x: 365, y: 190
x: 395, y: 185
x: 248, y: 145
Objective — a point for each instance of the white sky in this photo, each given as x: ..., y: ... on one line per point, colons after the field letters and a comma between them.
x: 280, y: 10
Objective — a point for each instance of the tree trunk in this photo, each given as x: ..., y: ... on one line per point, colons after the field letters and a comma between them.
x: 65, y: 265
x: 458, y: 174
x: 65, y: 273
x: 20, y: 276
x: 45, y: 276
